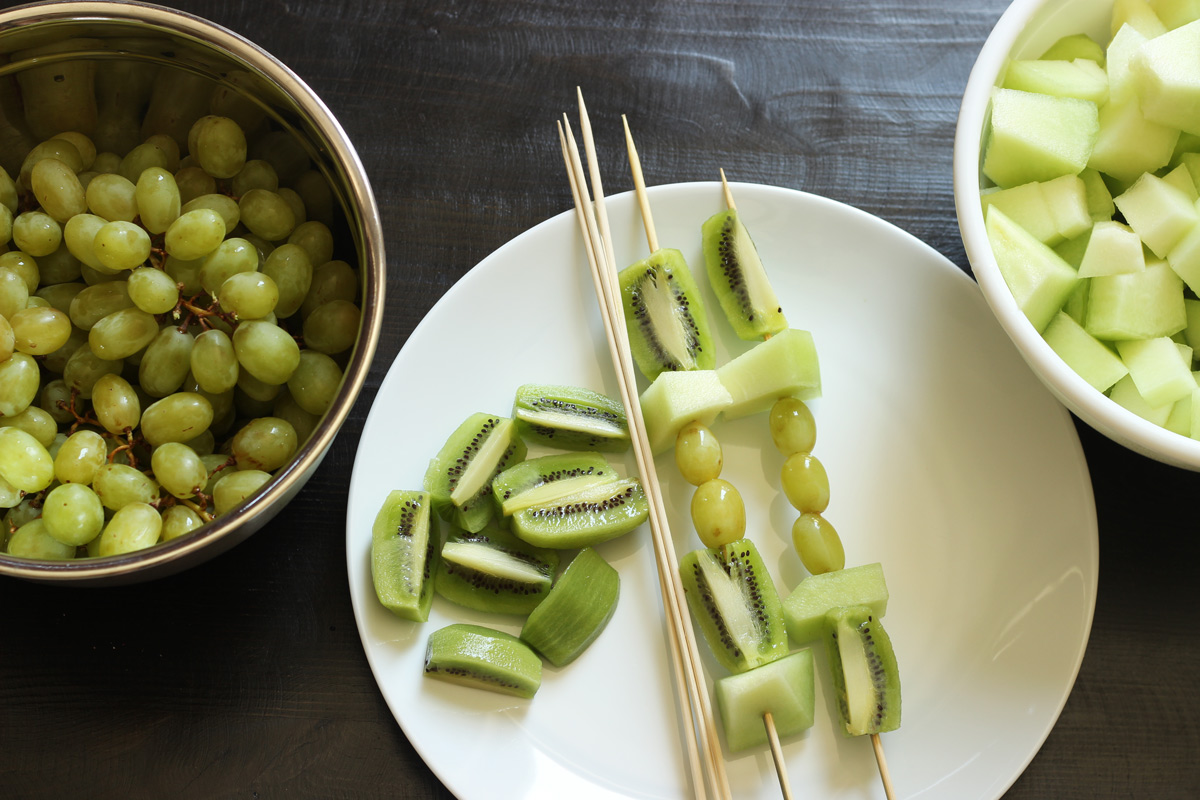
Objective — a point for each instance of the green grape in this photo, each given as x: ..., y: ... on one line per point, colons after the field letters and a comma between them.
x: 248, y: 295
x: 122, y: 333
x: 318, y: 200
x: 186, y: 274
x: 232, y: 256
x: 8, y: 192
x: 176, y: 418
x: 79, y: 457
x: 24, y: 461
x: 34, y: 421
x: 57, y: 188
x: 213, y: 362
x: 14, y: 292
x: 6, y: 225
x: 178, y: 469
x: 56, y: 362
x: 134, y: 527
x: 266, y: 351
x: 317, y: 378
x: 232, y: 488
x: 333, y: 280
x: 264, y: 444
x: 79, y: 233
x: 40, y: 330
x: 255, y: 389
x: 121, y: 245
x: 219, y: 146
x: 83, y: 144
x: 165, y: 363
x: 24, y: 512
x: 316, y: 239
x: 169, y: 146
x: 157, y: 199
x: 36, y: 302
x: 805, y: 483
x: 59, y: 267
x: 698, y: 453
x: 248, y: 406
x: 84, y: 368
x: 266, y: 214
x: 204, y: 444
x: 54, y: 393
x: 718, y: 513
x: 32, y: 540
x: 117, y: 404
x: 113, y: 197
x: 332, y: 328
x: 295, y: 204
x: 178, y: 520
x: 8, y: 340
x: 141, y: 158
x: 818, y: 544
x: 793, y: 428
x: 19, y: 382
x: 36, y: 233
x: 59, y: 149
x: 153, y: 290
x: 73, y: 514
x: 10, y: 496
x: 290, y: 266
x: 94, y: 303
x: 106, y: 163
x: 195, y: 234
x: 265, y: 248
x: 60, y: 295
x: 227, y: 207
x: 24, y: 265
x: 285, y: 153
x: 118, y: 485
x: 255, y: 174
x: 194, y: 182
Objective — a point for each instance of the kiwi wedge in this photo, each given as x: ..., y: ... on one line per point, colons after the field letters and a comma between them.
x: 404, y: 551
x: 575, y: 611
x: 492, y: 570
x: 459, y: 478
x: 664, y: 313
x: 866, y: 680
x: 570, y: 418
x: 473, y: 655
x: 737, y: 278
x: 542, y: 480
x: 735, y: 605
x: 590, y: 516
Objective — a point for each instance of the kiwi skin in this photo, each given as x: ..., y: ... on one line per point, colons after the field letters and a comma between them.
x: 576, y: 610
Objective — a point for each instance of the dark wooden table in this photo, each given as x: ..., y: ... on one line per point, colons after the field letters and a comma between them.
x: 245, y: 677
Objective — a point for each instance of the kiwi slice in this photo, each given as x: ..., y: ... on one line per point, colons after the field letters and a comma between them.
x: 538, y: 481
x: 738, y: 279
x: 664, y: 313
x: 588, y: 517
x: 404, y: 550
x: 459, y: 478
x: 570, y: 418
x: 734, y: 602
x: 866, y: 680
x: 484, y: 658
x: 492, y: 570
x: 575, y: 611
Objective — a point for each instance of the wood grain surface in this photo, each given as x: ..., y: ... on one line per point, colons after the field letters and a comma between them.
x: 245, y: 677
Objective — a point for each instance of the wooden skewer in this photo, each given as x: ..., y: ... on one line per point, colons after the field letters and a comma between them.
x: 728, y: 194
x: 777, y: 755
x: 884, y: 774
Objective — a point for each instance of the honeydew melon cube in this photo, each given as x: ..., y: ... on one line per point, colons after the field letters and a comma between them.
x: 1194, y: 427
x: 1076, y: 305
x: 1159, y: 370
x: 1067, y: 198
x: 1166, y: 74
x: 1072, y: 250
x: 1128, y: 144
x: 1082, y: 78
x: 1099, y: 198
x: 1039, y: 279
x: 1174, y: 13
x: 783, y: 366
x: 1025, y: 205
x: 1036, y: 137
x: 1136, y: 305
x: 1113, y: 249
x: 1125, y: 394
x: 1073, y: 46
x: 1191, y: 162
x: 1191, y: 334
x: 1124, y: 43
x: 677, y: 398
x: 1184, y: 258
x: 1180, y: 418
x: 1181, y: 178
x: 1090, y: 358
x: 1159, y: 213
x: 1138, y: 15
x: 805, y: 608
x: 784, y: 687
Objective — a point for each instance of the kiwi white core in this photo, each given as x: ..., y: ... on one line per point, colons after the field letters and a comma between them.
x: 479, y: 470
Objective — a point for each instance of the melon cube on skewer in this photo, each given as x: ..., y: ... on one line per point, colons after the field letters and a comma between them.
x: 784, y: 688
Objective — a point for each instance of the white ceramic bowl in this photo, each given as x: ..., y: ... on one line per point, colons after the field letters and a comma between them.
x: 1025, y: 30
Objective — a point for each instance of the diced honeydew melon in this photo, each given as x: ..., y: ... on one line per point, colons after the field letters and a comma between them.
x: 1082, y: 78
x: 1076, y: 305
x: 1184, y: 258
x: 1039, y: 279
x: 1191, y: 162
x: 1099, y: 198
x: 1090, y: 358
x: 805, y: 608
x: 1159, y: 370
x: 1112, y: 249
x: 1073, y: 46
x: 1159, y: 213
x: 1194, y: 428
x: 1067, y: 198
x: 1180, y: 419
x: 1128, y: 144
x: 677, y: 398
x: 1191, y: 334
x: 1166, y: 75
x: 1036, y: 137
x: 1181, y: 178
x: 1025, y: 205
x: 785, y: 688
x: 1125, y: 394
x: 1072, y: 250
x: 1137, y: 305
x: 1174, y: 13
x: 1138, y: 15
x: 1124, y: 43
x: 785, y: 365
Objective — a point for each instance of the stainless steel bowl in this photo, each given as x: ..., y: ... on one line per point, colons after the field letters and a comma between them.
x: 99, y: 31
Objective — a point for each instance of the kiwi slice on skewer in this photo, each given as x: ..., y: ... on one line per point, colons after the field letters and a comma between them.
x: 492, y: 570
x: 476, y: 656
x: 664, y: 313
x: 545, y: 479
x: 735, y: 605
x: 738, y: 279
x: 459, y: 478
x: 576, y: 611
x: 404, y: 550
x: 571, y: 418
x: 866, y: 679
x: 588, y: 517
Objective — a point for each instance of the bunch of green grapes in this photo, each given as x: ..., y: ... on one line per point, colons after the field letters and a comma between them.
x: 173, y: 324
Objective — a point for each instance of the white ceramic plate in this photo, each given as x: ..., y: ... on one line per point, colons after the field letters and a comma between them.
x: 948, y: 461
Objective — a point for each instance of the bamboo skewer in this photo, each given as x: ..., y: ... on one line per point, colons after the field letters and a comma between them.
x: 884, y: 774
